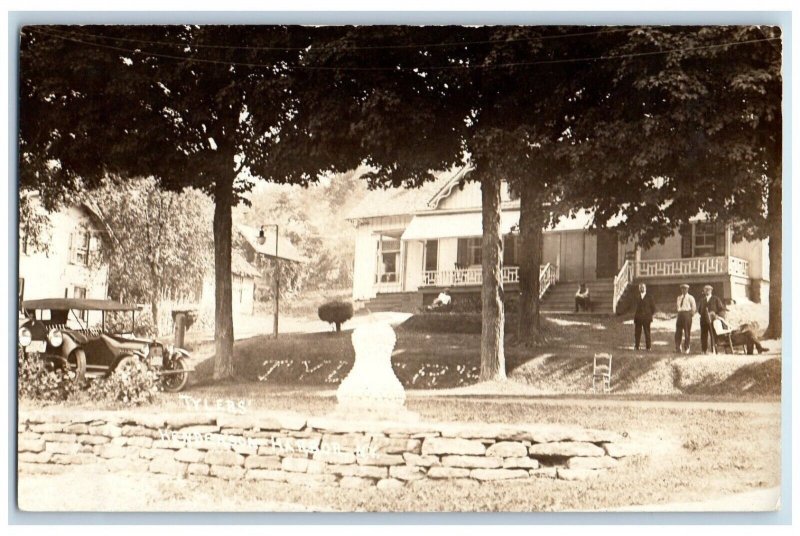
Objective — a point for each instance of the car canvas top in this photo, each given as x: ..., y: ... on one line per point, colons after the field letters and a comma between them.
x: 78, y: 305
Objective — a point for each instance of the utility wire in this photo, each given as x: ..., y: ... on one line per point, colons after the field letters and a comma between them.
x: 423, y: 68
x: 83, y: 35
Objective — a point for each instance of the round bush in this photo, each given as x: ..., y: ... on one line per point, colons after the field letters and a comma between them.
x: 336, y: 312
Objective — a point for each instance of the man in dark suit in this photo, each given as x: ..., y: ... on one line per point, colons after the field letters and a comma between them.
x: 644, y: 309
x: 706, y: 305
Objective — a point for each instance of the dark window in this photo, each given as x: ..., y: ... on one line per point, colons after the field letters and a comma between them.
x: 388, y: 260
x: 686, y: 240
x: 431, y: 255
x: 470, y: 251
x: 721, y: 239
x: 475, y: 250
x: 509, y: 250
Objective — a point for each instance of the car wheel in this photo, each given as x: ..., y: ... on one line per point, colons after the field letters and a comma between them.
x: 128, y: 361
x: 172, y: 383
x: 77, y: 364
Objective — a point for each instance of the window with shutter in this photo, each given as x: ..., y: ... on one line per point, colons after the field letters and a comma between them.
x: 474, y: 250
x: 721, y: 239
x: 431, y: 255
x: 462, y: 254
x: 686, y: 240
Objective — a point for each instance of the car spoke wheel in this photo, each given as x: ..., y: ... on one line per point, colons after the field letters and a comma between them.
x: 173, y: 383
x: 127, y: 362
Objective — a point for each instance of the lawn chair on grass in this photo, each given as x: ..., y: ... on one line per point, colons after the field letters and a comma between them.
x: 723, y: 338
x: 601, y: 371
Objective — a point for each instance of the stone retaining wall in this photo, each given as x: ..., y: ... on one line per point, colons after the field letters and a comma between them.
x: 312, y: 451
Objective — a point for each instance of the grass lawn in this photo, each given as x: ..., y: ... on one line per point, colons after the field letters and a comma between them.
x: 429, y: 355
x: 695, y: 454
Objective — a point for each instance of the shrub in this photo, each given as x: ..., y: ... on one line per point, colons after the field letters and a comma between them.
x: 336, y: 312
x: 136, y: 383
x: 120, y: 322
x: 38, y: 381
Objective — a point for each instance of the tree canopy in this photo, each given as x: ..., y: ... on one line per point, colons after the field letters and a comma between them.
x: 160, y: 241
x: 654, y: 124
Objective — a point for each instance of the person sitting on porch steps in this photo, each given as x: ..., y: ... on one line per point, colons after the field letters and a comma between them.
x: 442, y: 302
x: 583, y: 299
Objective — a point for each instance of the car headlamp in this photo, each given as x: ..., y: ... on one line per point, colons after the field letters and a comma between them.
x: 54, y: 337
x: 25, y: 336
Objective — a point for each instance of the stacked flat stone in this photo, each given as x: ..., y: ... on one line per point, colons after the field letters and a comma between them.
x: 313, y: 451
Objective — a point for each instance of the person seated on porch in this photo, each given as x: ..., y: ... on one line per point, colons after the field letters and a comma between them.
x: 583, y: 299
x: 743, y: 335
x: 442, y: 302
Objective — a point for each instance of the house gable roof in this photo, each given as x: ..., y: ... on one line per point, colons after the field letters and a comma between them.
x: 407, y: 201
x: 240, y: 266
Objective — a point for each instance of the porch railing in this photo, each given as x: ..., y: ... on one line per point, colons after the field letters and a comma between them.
x: 464, y: 277
x: 692, y: 266
x: 621, y: 282
x: 737, y: 266
x: 548, y: 276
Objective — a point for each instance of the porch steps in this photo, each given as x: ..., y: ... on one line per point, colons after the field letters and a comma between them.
x: 561, y: 297
x: 404, y: 302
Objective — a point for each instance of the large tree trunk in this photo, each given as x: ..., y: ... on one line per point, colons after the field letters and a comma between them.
x: 531, y: 221
x: 223, y: 292
x: 774, y: 225
x: 493, y: 361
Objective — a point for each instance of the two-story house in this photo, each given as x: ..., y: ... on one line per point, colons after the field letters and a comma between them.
x: 411, y: 243
x: 70, y: 265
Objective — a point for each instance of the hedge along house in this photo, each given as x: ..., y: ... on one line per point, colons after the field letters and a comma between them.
x: 412, y: 243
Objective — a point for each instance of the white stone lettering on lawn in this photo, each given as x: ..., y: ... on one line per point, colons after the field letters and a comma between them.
x: 216, y: 404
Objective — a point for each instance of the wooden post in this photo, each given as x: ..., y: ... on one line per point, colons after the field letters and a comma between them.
x: 180, y: 328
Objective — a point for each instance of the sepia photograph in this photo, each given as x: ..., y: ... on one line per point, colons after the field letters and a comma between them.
x: 398, y: 267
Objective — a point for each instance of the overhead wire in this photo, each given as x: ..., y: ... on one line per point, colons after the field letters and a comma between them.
x: 84, y: 35
x: 285, y: 66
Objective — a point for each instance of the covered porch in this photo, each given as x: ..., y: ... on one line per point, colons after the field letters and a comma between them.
x: 473, y: 277
x: 729, y: 273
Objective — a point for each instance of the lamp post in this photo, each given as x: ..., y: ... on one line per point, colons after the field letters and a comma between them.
x: 262, y: 238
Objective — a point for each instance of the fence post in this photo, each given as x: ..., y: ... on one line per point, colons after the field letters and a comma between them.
x: 180, y: 328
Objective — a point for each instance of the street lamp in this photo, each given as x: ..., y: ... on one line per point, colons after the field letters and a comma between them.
x: 262, y: 238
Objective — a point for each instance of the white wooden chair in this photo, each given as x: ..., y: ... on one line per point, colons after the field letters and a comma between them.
x: 601, y: 372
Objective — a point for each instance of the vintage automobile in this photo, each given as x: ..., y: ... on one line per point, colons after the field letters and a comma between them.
x: 58, y: 330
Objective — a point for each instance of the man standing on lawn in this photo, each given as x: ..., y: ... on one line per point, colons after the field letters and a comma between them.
x: 709, y: 304
x: 683, y: 324
x: 645, y: 308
